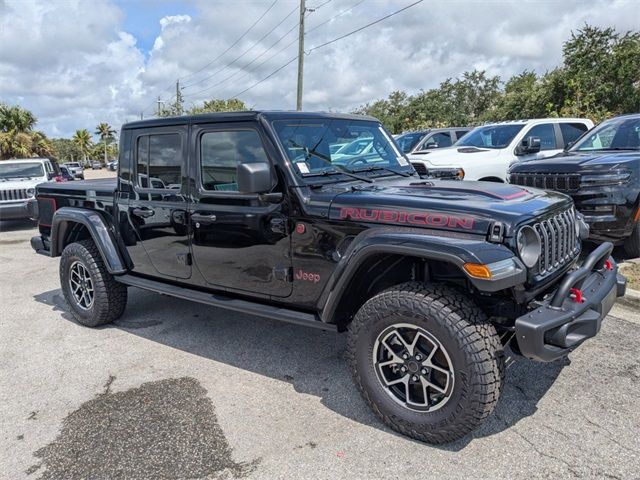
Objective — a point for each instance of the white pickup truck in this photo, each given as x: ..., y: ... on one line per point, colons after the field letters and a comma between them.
x: 18, y: 180
x: 486, y: 152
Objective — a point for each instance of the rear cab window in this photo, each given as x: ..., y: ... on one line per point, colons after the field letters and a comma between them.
x: 572, y: 131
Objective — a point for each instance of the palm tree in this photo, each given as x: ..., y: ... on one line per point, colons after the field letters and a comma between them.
x: 82, y: 139
x: 17, y: 138
x: 106, y: 133
x: 16, y: 118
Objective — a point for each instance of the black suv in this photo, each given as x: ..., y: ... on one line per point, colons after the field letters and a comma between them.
x: 601, y: 171
x: 252, y: 212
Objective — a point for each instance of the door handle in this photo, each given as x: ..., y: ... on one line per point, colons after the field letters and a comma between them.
x: 143, y: 212
x: 203, y: 218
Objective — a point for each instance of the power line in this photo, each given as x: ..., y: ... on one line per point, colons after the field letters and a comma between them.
x: 234, y: 43
x: 325, y: 44
x: 243, y: 53
x: 363, y: 27
x: 248, y: 64
x: 150, y: 105
x: 221, y: 83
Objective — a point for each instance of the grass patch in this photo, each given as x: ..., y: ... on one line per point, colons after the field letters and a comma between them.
x: 632, y: 272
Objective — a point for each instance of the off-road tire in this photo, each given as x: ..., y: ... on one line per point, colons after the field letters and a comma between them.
x: 110, y: 297
x: 471, y: 342
x: 632, y: 244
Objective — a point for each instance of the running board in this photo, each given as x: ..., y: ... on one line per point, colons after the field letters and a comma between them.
x: 244, y: 306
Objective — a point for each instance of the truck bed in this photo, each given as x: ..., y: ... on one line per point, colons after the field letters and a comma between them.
x: 98, y: 187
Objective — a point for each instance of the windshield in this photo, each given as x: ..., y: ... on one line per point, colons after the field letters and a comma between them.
x: 13, y: 171
x: 361, y: 146
x: 616, y: 134
x: 408, y: 141
x: 491, y: 136
x: 72, y: 165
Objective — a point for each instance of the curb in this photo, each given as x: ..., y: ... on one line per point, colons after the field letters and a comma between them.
x: 631, y: 299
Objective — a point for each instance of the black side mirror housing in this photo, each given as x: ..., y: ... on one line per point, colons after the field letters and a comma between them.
x: 254, y: 177
x: 529, y: 145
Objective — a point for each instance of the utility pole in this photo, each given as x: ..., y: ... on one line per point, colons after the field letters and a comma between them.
x: 178, y: 98
x: 303, y: 10
x: 159, y: 102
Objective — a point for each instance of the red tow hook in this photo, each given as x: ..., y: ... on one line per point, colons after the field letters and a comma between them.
x: 608, y: 264
x: 576, y: 295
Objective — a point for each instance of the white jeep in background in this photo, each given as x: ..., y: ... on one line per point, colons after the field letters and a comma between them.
x: 18, y: 180
x: 486, y: 152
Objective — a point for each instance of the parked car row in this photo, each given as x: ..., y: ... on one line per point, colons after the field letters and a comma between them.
x: 598, y: 167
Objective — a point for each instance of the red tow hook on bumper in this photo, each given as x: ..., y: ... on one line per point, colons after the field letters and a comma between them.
x: 576, y: 295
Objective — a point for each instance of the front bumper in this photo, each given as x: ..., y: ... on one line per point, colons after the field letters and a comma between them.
x: 564, y: 320
x: 13, y: 211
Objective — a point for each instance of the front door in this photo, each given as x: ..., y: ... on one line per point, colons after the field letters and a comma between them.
x: 239, y: 242
x: 157, y: 210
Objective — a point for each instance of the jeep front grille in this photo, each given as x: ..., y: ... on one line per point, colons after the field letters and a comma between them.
x: 548, y: 181
x: 13, y: 194
x: 420, y: 168
x: 559, y: 241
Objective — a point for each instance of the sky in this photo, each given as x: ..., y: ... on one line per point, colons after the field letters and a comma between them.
x: 77, y: 63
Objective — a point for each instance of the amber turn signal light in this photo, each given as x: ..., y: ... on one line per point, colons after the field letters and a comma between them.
x: 477, y: 270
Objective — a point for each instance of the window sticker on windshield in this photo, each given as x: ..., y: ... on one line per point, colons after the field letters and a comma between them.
x: 303, y: 167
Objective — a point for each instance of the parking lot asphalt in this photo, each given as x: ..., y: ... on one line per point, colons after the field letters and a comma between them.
x: 181, y: 390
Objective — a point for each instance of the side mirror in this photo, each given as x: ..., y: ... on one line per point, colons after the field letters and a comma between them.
x: 529, y: 145
x: 431, y: 145
x: 254, y: 177
x: 51, y: 175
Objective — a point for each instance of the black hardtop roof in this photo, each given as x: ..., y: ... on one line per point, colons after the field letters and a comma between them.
x: 239, y: 117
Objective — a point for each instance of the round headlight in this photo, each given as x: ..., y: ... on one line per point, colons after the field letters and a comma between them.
x: 529, y: 246
x: 31, y: 192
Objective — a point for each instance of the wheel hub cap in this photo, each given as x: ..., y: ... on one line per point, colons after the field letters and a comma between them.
x: 413, y: 367
x: 81, y: 285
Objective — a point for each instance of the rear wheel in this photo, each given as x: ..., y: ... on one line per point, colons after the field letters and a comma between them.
x: 91, y: 291
x: 426, y: 361
x: 632, y: 244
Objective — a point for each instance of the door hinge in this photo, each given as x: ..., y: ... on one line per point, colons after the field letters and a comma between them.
x: 184, y: 258
x: 284, y: 274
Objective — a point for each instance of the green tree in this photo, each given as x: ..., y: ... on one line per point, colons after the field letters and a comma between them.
x: 17, y: 137
x: 82, y: 139
x: 107, y: 135
x: 219, y: 105
x: 65, y: 150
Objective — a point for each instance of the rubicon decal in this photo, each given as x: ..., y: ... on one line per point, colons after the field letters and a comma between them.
x: 403, y: 217
x: 307, y: 276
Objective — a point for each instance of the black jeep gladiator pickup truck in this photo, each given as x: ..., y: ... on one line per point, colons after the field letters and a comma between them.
x: 252, y: 212
x: 601, y: 172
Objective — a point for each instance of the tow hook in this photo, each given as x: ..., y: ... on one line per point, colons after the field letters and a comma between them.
x: 576, y: 295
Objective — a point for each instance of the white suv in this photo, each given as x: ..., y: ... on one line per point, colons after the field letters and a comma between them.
x: 486, y: 152
x: 18, y: 180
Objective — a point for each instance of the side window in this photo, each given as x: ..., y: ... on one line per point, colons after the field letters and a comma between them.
x: 461, y: 133
x: 440, y: 139
x: 547, y: 136
x: 159, y: 161
x: 220, y: 154
x: 571, y: 131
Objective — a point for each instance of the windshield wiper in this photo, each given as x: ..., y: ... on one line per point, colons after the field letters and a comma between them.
x: 610, y: 148
x: 386, y: 169
x: 338, y: 168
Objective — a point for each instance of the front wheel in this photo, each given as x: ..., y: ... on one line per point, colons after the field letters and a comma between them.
x: 426, y: 361
x: 91, y: 291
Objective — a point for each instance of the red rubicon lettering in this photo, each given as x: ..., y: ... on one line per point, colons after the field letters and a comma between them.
x: 411, y: 218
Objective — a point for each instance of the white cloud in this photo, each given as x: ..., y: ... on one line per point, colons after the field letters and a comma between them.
x: 71, y: 63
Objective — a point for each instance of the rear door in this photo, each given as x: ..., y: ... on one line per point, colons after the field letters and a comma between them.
x: 157, y: 207
x: 239, y: 242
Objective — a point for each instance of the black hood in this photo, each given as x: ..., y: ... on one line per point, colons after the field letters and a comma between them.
x: 461, y: 206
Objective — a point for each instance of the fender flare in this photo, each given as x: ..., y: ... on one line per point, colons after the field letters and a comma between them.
x: 97, y: 227
x: 451, y: 248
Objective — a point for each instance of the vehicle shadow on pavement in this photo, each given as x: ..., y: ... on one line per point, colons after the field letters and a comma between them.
x: 311, y: 360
